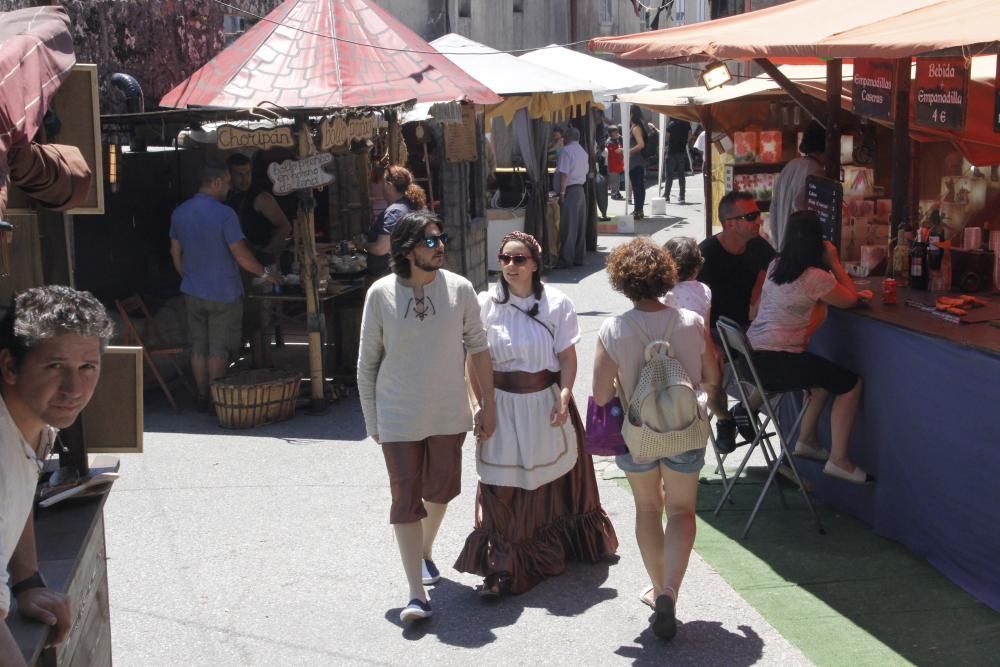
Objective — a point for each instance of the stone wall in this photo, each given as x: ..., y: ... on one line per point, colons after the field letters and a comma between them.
x: 159, y: 42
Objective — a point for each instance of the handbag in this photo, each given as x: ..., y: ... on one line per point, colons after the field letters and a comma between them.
x: 603, y: 430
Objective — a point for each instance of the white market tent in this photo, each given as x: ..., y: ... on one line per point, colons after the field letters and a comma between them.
x: 605, y: 78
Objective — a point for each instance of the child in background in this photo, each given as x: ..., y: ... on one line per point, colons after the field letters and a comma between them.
x: 692, y: 295
x: 616, y: 162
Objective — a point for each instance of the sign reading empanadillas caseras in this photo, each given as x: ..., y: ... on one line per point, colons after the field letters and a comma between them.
x: 940, y: 93
x: 873, y: 87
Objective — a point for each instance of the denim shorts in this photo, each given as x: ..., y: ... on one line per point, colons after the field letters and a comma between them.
x: 690, y: 461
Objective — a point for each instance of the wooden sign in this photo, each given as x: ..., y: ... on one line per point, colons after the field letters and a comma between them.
x: 940, y: 91
x: 337, y: 133
x: 230, y: 136
x: 460, y: 138
x: 112, y: 421
x: 826, y: 197
x: 304, y: 174
x: 873, y: 87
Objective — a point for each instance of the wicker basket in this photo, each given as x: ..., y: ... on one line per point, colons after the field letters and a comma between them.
x: 254, y: 398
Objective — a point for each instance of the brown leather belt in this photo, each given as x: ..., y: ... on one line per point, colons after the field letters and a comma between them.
x: 517, y: 382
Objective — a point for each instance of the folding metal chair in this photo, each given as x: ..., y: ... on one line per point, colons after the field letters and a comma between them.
x: 740, y: 355
x: 152, y: 345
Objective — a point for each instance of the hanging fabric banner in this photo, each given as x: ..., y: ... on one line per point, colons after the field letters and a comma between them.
x: 873, y: 87
x: 940, y: 93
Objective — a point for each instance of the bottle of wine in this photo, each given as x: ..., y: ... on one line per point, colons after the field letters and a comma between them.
x: 918, y: 261
x: 901, y: 259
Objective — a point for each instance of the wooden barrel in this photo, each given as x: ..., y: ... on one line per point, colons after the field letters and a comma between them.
x: 254, y: 398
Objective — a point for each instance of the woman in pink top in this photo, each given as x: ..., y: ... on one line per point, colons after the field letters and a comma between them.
x: 805, y: 277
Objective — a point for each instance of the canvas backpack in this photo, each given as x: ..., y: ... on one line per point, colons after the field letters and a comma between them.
x: 663, y: 417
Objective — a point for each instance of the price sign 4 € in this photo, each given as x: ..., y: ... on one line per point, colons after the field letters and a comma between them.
x: 304, y: 174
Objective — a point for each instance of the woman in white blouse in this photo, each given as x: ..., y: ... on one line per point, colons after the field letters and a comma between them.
x: 537, y: 506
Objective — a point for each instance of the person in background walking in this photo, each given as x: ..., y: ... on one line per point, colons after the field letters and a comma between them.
x: 678, y: 135
x: 645, y: 272
x: 571, y: 174
x: 417, y: 326
x: 537, y: 507
x: 637, y: 163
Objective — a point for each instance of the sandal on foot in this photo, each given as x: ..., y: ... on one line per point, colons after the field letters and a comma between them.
x: 646, y: 597
x: 664, y: 622
x: 859, y: 476
x: 807, y: 451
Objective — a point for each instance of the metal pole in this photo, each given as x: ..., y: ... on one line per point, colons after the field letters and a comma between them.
x: 626, y: 147
x: 706, y: 170
x: 659, y: 170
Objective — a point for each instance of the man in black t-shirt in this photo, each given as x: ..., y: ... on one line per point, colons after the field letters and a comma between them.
x: 678, y: 135
x: 736, y: 259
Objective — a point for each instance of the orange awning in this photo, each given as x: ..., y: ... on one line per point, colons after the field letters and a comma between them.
x: 782, y: 32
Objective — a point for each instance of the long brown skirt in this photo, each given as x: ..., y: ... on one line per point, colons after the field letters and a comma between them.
x: 526, y: 536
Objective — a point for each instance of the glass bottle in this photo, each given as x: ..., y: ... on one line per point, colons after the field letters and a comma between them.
x: 901, y: 259
x: 918, y: 261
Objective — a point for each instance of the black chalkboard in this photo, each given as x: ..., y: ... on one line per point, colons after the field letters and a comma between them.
x: 826, y: 197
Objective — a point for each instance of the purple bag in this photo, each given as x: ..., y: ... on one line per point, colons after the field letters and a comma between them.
x: 603, y: 431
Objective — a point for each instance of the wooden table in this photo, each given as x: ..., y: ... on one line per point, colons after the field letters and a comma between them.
x: 72, y: 558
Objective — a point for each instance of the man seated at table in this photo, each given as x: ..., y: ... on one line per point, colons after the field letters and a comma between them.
x: 735, y: 266
x: 51, y: 341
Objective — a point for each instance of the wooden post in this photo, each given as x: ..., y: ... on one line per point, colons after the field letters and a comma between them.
x: 901, y: 148
x: 306, y: 224
x: 393, y: 120
x: 706, y: 171
x: 834, y: 82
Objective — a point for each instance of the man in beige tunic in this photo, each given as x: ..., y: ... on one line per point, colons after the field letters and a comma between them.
x: 418, y: 324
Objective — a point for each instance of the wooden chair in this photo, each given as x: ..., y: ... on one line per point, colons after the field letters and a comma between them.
x: 152, y: 344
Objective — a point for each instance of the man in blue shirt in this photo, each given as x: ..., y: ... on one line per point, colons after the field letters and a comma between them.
x: 208, y: 248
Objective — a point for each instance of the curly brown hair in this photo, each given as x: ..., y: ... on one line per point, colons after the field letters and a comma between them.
x: 640, y: 269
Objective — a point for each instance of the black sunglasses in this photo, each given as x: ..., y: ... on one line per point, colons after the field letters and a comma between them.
x: 752, y: 216
x: 433, y: 241
x: 519, y: 260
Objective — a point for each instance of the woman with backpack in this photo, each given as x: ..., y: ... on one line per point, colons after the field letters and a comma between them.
x: 637, y: 161
x: 644, y: 272
x: 537, y: 505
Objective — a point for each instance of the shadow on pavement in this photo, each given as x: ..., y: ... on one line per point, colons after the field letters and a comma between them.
x: 462, y: 619
x: 688, y: 647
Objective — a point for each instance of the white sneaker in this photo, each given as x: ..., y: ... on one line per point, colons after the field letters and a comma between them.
x: 415, y: 610
x: 430, y: 574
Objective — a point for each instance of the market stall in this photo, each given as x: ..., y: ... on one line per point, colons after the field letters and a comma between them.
x: 534, y: 97
x: 920, y: 134
x: 330, y: 90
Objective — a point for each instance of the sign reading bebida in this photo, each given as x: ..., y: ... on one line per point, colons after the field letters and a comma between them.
x: 940, y: 93
x: 873, y: 87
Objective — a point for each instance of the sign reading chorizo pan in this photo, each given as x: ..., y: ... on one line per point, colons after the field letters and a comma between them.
x: 230, y: 136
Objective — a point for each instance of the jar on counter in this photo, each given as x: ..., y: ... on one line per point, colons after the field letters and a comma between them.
x: 889, y: 291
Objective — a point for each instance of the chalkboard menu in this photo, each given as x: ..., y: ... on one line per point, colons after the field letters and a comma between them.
x: 826, y: 197
x: 996, y: 103
x: 940, y: 93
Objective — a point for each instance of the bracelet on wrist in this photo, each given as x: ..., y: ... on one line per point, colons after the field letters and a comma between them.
x: 34, y: 581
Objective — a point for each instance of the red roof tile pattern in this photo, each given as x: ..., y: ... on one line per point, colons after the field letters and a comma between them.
x: 289, y: 59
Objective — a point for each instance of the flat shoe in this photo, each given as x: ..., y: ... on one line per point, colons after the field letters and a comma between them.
x: 664, y: 622
x: 430, y: 574
x: 807, y: 451
x: 859, y: 476
x: 744, y: 423
x: 646, y: 597
x: 415, y: 610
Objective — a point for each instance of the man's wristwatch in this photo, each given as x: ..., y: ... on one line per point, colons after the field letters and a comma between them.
x: 34, y: 581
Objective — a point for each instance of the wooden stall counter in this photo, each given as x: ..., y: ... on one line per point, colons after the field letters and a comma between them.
x: 72, y: 558
x: 973, y: 331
